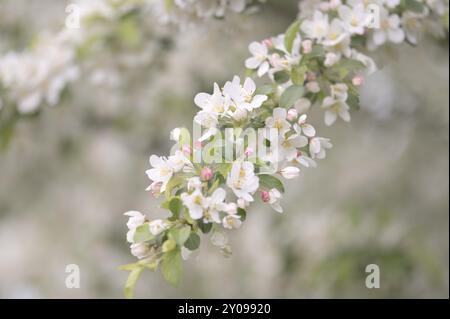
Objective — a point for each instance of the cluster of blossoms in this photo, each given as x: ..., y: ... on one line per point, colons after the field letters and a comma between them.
x: 39, y: 74
x: 206, y: 196
x: 324, y: 54
x: 185, y: 11
x: 319, y: 61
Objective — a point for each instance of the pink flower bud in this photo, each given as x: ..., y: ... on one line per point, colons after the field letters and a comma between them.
x: 187, y: 150
x: 248, y: 151
x: 265, y: 196
x: 206, y: 174
x: 155, y: 189
x: 268, y: 43
x: 292, y: 114
x: 358, y: 80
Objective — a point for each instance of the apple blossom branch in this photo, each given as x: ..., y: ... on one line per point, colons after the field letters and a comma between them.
x: 320, y: 61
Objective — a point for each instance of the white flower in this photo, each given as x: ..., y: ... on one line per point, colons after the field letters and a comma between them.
x: 288, y: 146
x: 305, y: 160
x: 214, y: 103
x: 279, y: 121
x: 389, y: 30
x: 354, y: 19
x: 161, y: 172
x: 242, y: 180
x: 244, y: 96
x: 313, y: 87
x: 336, y: 105
x: 318, y: 147
x: 136, y: 219
x: 141, y: 250
x: 339, y: 91
x: 195, y: 202
x: 178, y: 161
x: 214, y: 205
x: 334, y: 108
x: 305, y: 128
x: 412, y: 26
x: 275, y: 199
x: 331, y: 58
x: 290, y: 172
x: 259, y: 58
x: 335, y: 35
x: 317, y: 28
x: 157, y: 226
x: 194, y: 183
x: 232, y: 222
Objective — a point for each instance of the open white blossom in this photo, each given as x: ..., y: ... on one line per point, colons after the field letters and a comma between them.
x: 242, y: 180
x: 135, y: 220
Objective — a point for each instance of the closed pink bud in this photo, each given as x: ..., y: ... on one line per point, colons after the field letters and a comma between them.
x: 206, y: 174
x: 248, y: 151
x: 268, y: 43
x: 358, y: 80
x: 265, y: 196
x: 292, y: 115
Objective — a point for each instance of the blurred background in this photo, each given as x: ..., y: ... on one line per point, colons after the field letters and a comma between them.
x: 381, y: 196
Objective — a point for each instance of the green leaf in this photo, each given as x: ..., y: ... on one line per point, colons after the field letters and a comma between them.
x: 290, y: 35
x: 224, y: 169
x: 267, y: 89
x: 205, y: 228
x: 180, y: 235
x: 298, y: 74
x: 172, y: 267
x: 281, y: 77
x: 168, y: 245
x: 414, y: 6
x: 174, y: 182
x: 242, y: 213
x: 353, y: 99
x: 193, y: 242
x: 131, y: 282
x: 269, y: 182
x: 291, y: 95
x: 175, y: 206
x: 143, y: 234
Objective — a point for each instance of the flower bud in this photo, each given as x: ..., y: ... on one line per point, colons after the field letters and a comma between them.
x: 358, y: 80
x: 290, y: 172
x: 248, y: 151
x: 313, y: 87
x: 292, y: 114
x: 268, y: 43
x: 265, y: 196
x: 141, y: 250
x: 206, y: 174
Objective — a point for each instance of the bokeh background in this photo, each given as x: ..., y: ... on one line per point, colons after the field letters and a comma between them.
x: 380, y: 197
